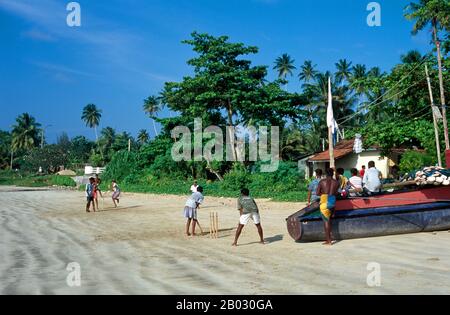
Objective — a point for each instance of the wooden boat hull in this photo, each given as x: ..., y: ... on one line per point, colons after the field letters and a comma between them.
x: 373, y: 220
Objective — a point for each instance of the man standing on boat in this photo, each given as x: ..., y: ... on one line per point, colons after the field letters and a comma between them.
x: 328, y: 190
x: 372, y: 180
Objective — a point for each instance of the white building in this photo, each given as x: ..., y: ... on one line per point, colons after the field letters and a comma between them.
x: 347, y: 159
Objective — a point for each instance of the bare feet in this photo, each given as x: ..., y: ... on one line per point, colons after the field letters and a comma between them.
x: 234, y: 245
x: 188, y: 234
x: 262, y: 242
x: 328, y: 244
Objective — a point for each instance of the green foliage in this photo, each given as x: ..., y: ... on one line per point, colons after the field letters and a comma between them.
x: 23, y: 180
x: 25, y: 133
x: 236, y: 179
x: 5, y: 149
x: 391, y: 134
x: 80, y: 150
x: 414, y: 161
x: 122, y: 164
x: 63, y: 181
x: 96, y: 159
x: 50, y: 158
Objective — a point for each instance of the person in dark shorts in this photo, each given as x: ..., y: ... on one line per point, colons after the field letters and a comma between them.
x: 90, y: 191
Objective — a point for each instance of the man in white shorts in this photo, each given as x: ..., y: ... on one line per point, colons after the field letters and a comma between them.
x: 248, y: 210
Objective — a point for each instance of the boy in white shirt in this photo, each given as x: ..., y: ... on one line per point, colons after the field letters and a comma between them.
x: 190, y: 209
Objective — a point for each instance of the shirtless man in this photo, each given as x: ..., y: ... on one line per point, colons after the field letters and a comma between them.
x: 328, y: 190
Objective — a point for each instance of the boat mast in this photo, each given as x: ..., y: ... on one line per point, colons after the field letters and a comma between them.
x: 331, y: 126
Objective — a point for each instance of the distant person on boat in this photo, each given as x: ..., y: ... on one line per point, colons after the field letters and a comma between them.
x: 340, y: 177
x: 312, y: 188
x: 190, y: 209
x: 116, y: 193
x: 362, y: 172
x: 355, y: 183
x: 328, y: 189
x: 372, y: 180
x: 248, y: 209
x: 395, y: 173
x: 194, y: 187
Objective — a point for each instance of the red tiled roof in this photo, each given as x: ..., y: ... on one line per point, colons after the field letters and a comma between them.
x: 345, y: 147
x: 341, y: 150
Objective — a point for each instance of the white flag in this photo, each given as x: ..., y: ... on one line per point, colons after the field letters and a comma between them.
x: 331, y: 122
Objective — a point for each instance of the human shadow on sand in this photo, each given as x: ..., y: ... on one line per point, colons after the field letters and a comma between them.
x: 268, y: 240
x: 118, y: 208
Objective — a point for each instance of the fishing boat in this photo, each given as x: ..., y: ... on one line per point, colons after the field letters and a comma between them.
x: 412, y: 210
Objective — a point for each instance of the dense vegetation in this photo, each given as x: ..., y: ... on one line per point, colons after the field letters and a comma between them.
x: 390, y: 109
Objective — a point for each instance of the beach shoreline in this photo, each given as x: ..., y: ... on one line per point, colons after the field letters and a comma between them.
x: 140, y: 248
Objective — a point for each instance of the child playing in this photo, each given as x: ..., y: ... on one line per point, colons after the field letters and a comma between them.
x: 116, y: 193
x: 190, y: 209
x: 97, y: 191
x: 90, y: 188
x: 249, y: 210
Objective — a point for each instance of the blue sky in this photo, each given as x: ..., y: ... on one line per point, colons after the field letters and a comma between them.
x: 126, y: 49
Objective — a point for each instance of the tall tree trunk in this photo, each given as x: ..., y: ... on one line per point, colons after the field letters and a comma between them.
x: 154, y: 128
x: 232, y: 135
x: 96, y: 134
x: 216, y: 173
x: 441, y: 85
x: 12, y: 159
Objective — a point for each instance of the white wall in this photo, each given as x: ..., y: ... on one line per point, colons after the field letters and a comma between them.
x: 358, y: 160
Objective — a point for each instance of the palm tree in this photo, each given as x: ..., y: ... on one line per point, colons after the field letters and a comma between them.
x: 317, y: 93
x: 143, y: 136
x: 25, y: 133
x: 344, y: 70
x: 434, y: 13
x: 108, y: 136
x: 91, y: 116
x: 412, y: 57
x: 152, y: 105
x: 307, y: 71
x: 358, y: 81
x: 285, y: 66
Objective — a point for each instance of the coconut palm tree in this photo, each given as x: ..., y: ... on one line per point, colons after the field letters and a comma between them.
x: 317, y: 93
x: 344, y: 70
x: 25, y: 133
x: 307, y: 71
x: 92, y: 116
x: 358, y: 81
x: 143, y: 136
x: 285, y: 66
x: 152, y: 105
x: 411, y: 57
x: 107, y: 138
x: 434, y: 13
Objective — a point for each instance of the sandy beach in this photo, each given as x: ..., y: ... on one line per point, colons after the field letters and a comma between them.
x: 140, y: 248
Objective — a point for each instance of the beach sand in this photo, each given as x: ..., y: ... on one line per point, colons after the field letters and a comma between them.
x: 140, y: 248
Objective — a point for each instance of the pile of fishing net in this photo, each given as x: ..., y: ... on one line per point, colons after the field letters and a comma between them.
x: 432, y: 176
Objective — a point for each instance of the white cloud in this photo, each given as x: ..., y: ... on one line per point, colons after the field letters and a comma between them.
x: 105, y: 41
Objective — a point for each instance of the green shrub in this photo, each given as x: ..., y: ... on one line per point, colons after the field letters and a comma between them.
x: 123, y: 163
x: 413, y: 161
x: 236, y: 179
x: 64, y: 181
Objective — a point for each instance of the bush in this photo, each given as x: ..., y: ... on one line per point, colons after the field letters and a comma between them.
x: 123, y: 163
x: 64, y: 181
x: 412, y: 161
x: 236, y: 179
